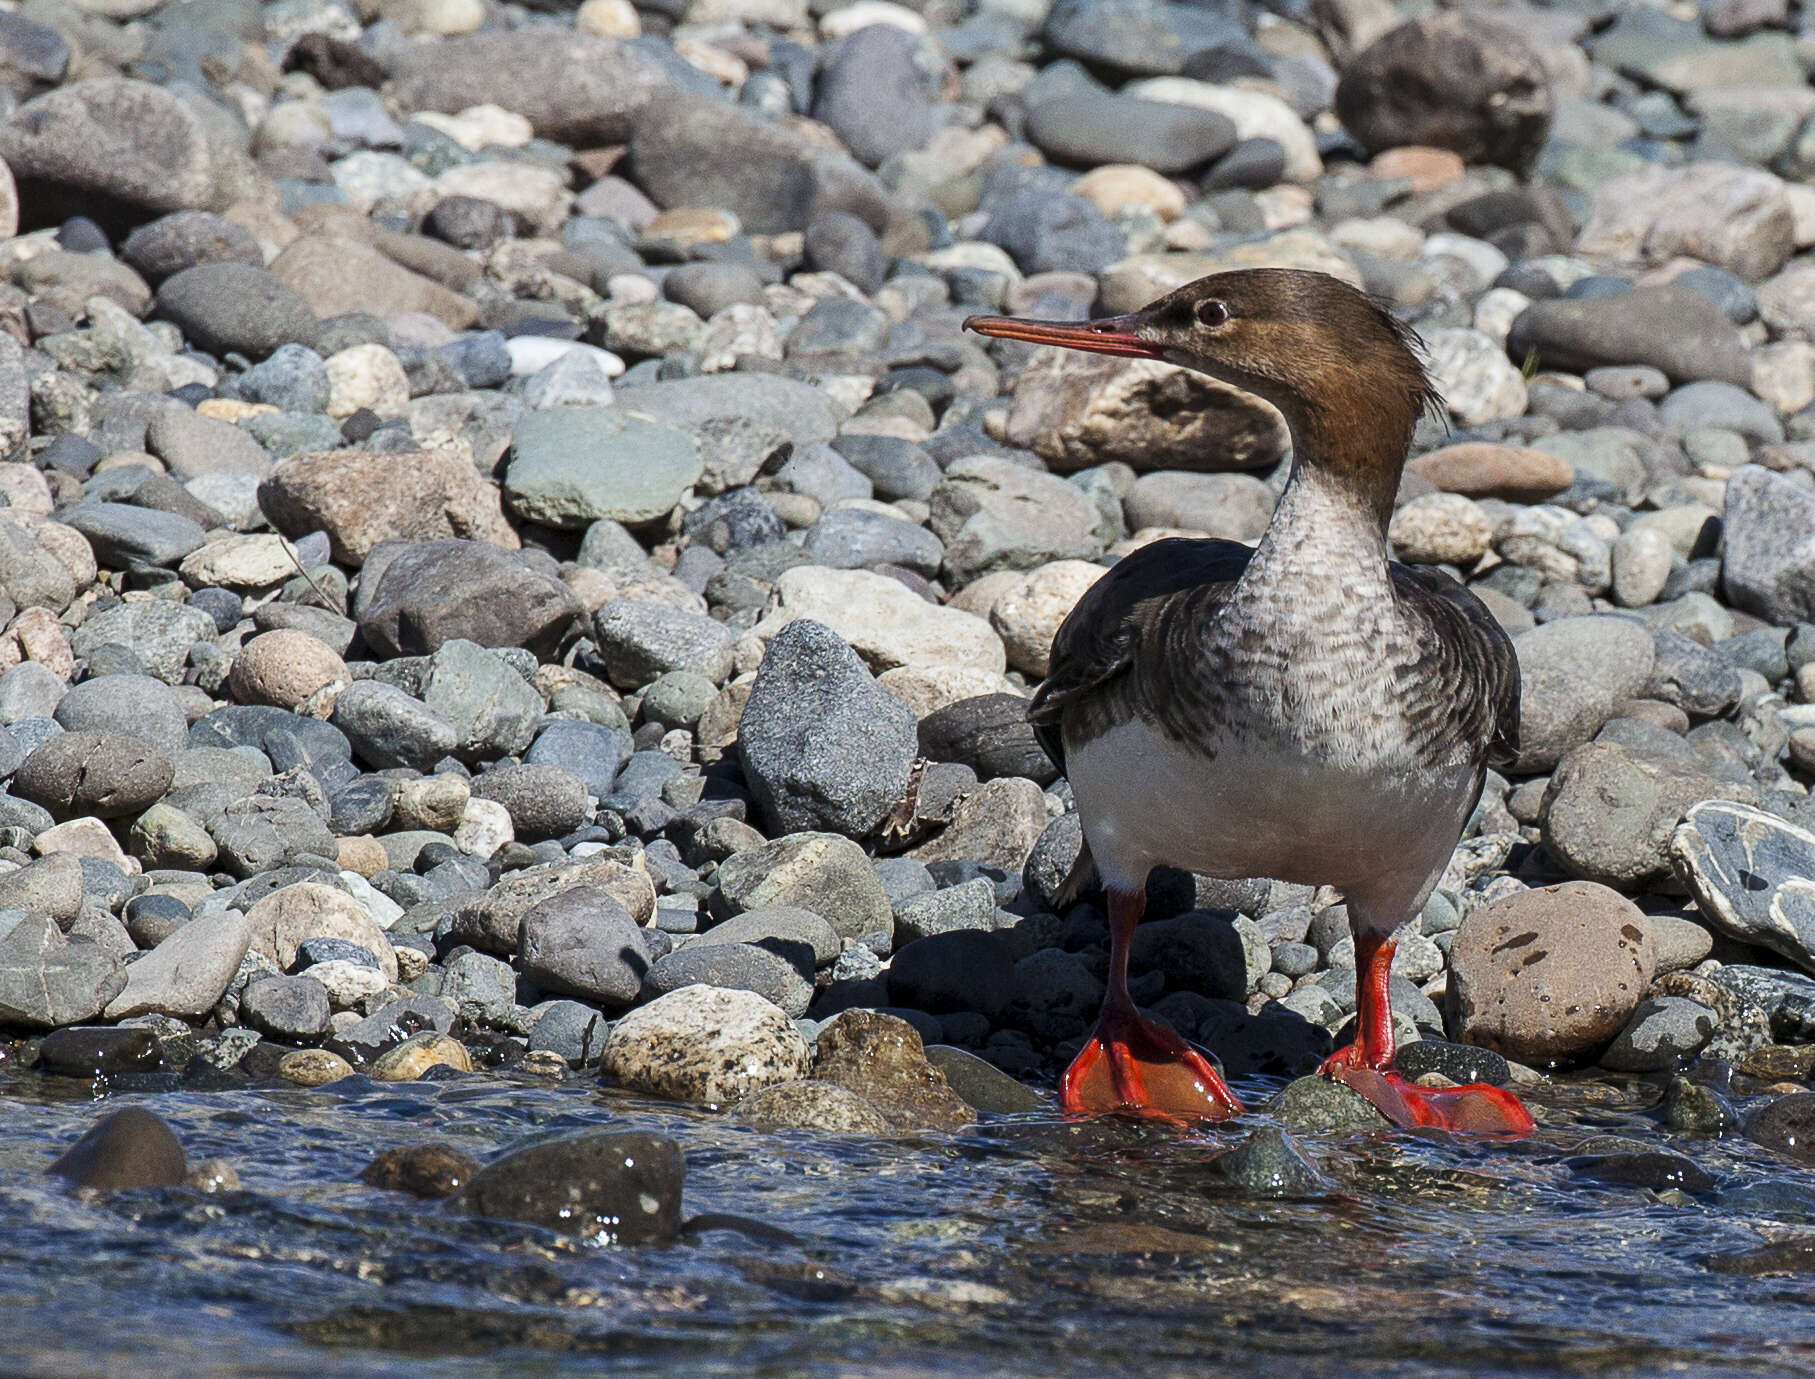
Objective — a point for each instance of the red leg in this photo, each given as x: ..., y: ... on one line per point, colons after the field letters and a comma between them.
x: 1133, y: 1065
x: 1366, y: 1065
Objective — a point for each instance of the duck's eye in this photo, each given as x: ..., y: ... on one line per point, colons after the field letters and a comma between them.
x: 1211, y: 312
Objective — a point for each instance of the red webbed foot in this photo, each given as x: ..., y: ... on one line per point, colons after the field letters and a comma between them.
x: 1135, y: 1066
x: 1475, y: 1109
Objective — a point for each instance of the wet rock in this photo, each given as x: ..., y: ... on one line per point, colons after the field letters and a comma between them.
x: 1654, y: 1169
x: 1691, y: 1106
x: 1458, y: 1062
x: 623, y: 1187
x: 1662, y: 1030
x: 1270, y: 1163
x: 1786, y: 1124
x: 1779, y: 1257
x: 417, y: 1054
x: 880, y: 1058
x: 313, y: 1067
x: 984, y: 1086
x: 809, y: 1104
x: 1549, y: 975
x: 824, y: 747
x: 705, y: 1046
x: 128, y: 1149
x: 422, y: 1170
x: 92, y: 1051
x: 1318, y: 1106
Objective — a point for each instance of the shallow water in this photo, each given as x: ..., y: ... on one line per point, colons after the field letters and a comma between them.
x: 1026, y: 1247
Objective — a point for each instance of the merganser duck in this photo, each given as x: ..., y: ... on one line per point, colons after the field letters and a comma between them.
x: 1308, y: 710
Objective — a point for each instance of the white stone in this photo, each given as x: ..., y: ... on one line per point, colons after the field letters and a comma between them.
x: 1642, y: 557
x: 1783, y: 374
x: 485, y: 827
x: 532, y: 353
x: 367, y: 376
x: 1255, y: 115
x: 1496, y: 310
x: 241, y: 562
x: 1028, y: 615
x: 539, y: 195
x: 608, y: 19
x: 482, y: 126
x: 1441, y: 528
x: 1476, y: 379
x: 283, y: 920
x: 1487, y: 262
x: 705, y: 1044
x: 927, y: 689
x: 884, y: 621
x: 1383, y: 236
x: 739, y: 329
x: 347, y: 982
x: 848, y: 19
x: 85, y: 837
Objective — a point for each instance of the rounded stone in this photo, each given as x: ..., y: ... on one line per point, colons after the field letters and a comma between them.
x: 284, y: 668
x: 705, y: 1045
x: 1549, y: 976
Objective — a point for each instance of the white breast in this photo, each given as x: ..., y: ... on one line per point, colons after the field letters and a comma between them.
x: 1257, y: 810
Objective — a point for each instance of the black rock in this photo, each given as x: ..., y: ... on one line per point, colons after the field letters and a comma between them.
x: 130, y: 1148
x: 1270, y: 1163
x: 1655, y: 1169
x: 1458, y: 1062
x: 624, y: 1186
x: 99, y: 1051
x: 1449, y: 81
x: 990, y: 734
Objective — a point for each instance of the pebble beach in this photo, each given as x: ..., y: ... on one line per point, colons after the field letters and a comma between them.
x: 518, y: 602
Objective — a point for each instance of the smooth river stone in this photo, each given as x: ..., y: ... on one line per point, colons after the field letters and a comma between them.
x: 1752, y: 874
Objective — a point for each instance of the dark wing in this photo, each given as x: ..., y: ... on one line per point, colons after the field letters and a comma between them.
x: 1463, y: 678
x: 1167, y: 590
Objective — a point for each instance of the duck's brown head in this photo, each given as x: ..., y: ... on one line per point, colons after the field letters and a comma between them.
x: 1339, y: 366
